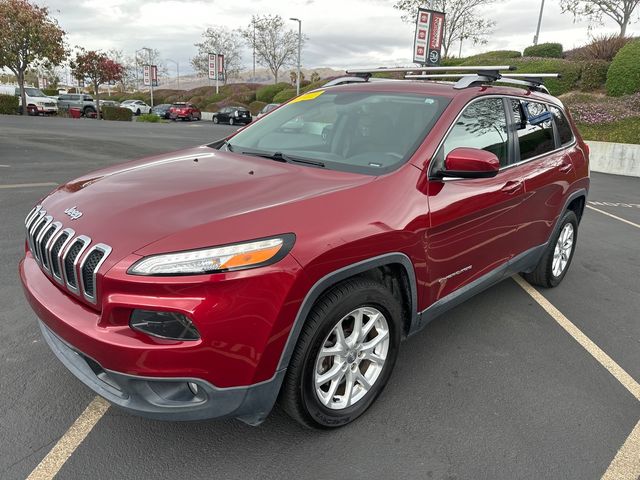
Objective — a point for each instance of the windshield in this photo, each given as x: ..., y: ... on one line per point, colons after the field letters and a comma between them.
x: 367, y: 132
x: 34, y: 92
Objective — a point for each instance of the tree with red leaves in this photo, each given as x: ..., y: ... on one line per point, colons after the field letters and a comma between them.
x: 28, y: 37
x: 98, y: 69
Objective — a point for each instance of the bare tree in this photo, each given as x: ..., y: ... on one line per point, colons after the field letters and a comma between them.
x: 275, y: 45
x: 462, y: 21
x: 223, y: 41
x: 143, y: 57
x: 620, y: 11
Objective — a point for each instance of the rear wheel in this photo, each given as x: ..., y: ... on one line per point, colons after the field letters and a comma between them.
x: 231, y: 121
x: 344, y: 356
x: 138, y: 112
x: 557, y: 257
x: 215, y: 120
x: 88, y: 111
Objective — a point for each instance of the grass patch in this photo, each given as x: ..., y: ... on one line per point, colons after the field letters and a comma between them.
x: 622, y: 131
x: 148, y: 117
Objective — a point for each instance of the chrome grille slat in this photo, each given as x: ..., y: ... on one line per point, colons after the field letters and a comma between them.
x: 89, y: 271
x: 70, y: 262
x: 64, y: 256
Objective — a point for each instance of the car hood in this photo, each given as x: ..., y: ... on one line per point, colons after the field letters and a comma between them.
x: 132, y: 205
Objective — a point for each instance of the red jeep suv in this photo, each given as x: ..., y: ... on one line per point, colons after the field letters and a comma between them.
x: 289, y: 263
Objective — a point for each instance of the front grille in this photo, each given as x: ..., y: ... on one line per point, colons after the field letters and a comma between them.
x: 61, y: 254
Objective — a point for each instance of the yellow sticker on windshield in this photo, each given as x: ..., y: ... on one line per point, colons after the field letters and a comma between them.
x: 307, y: 96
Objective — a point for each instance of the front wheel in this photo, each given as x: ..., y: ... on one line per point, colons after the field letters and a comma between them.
x: 557, y: 257
x: 344, y: 356
x: 138, y: 112
x: 215, y: 120
x: 231, y: 121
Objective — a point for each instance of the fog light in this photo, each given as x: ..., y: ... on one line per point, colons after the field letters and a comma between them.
x: 193, y: 387
x: 171, y: 325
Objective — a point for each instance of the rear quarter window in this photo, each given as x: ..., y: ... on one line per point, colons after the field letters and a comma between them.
x: 565, y: 134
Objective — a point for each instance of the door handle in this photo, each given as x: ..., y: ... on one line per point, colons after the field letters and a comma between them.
x: 566, y: 167
x: 511, y: 187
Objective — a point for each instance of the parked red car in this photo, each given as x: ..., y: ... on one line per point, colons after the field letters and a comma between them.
x: 184, y: 111
x: 291, y: 262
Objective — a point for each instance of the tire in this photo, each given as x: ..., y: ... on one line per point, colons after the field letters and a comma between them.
x: 190, y: 118
x: 88, y: 110
x: 548, y: 273
x: 138, y: 112
x: 215, y: 120
x: 299, y: 396
x: 231, y: 121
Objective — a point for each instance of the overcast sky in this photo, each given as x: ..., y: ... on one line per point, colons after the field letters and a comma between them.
x: 341, y: 33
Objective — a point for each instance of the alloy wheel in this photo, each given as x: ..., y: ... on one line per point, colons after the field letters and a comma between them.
x: 351, y: 358
x: 562, y: 251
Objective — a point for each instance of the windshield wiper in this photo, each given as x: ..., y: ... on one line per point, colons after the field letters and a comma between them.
x: 283, y: 157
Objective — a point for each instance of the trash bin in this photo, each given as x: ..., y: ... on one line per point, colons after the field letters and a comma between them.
x: 75, y: 112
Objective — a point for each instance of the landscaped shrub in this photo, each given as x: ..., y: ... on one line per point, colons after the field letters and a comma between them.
x: 148, y: 117
x: 284, y: 95
x: 116, y: 113
x: 452, y: 62
x: 604, y: 47
x: 493, y: 55
x: 314, y: 85
x: 266, y: 94
x: 624, y: 73
x: 569, y: 72
x: 8, y: 104
x: 256, y: 106
x: 594, y: 74
x: 52, y: 92
x: 548, y: 50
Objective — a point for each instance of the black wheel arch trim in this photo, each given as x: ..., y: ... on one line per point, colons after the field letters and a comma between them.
x: 339, y: 275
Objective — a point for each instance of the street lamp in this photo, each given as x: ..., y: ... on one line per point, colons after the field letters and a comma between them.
x: 177, y: 70
x: 299, y: 47
x: 535, y: 39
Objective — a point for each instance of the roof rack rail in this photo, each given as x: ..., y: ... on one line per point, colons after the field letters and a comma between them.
x: 371, y: 71
x: 533, y: 81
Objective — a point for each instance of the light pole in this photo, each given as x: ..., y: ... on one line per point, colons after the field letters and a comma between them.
x: 299, y: 48
x: 535, y: 39
x: 177, y: 70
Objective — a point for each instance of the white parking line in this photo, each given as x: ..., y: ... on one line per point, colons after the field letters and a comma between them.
x: 626, y: 464
x: 60, y: 453
x: 5, y: 166
x: 28, y: 185
x: 613, y: 216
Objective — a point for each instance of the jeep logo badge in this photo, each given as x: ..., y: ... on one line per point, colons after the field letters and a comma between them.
x: 73, y: 212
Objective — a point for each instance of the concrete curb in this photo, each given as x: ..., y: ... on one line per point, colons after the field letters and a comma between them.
x: 615, y: 158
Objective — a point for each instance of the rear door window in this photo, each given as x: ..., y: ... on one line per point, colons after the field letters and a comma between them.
x: 482, y: 125
x: 533, y: 123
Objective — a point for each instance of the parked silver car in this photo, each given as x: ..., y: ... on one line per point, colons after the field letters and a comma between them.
x: 84, y: 102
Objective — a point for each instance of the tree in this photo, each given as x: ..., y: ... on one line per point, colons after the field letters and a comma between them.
x: 97, y: 68
x: 293, y: 76
x: 219, y: 40
x: 315, y: 76
x: 149, y: 57
x: 28, y: 38
x: 621, y: 11
x: 462, y: 21
x: 275, y: 45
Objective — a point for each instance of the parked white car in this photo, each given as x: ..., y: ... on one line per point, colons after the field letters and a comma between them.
x: 136, y: 106
x: 36, y: 100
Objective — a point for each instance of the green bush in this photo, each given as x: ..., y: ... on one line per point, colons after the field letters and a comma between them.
x: 624, y: 73
x: 8, y: 104
x: 548, y: 50
x: 452, y: 61
x: 569, y: 72
x: 266, y: 94
x: 256, y: 106
x: 594, y: 75
x: 492, y: 56
x: 148, y: 117
x: 314, y: 85
x: 116, y: 113
x: 284, y: 95
x: 51, y: 92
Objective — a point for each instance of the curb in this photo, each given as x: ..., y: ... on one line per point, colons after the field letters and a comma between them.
x: 614, y: 158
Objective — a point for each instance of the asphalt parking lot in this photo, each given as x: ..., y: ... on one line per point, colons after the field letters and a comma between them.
x: 495, y: 389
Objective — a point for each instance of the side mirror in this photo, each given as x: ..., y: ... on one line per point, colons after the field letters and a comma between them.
x: 470, y: 163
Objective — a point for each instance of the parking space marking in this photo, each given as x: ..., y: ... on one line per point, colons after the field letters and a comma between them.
x: 62, y: 450
x: 28, y: 185
x: 5, y: 166
x: 626, y: 463
x: 614, y: 204
x: 613, y: 216
x: 605, y: 360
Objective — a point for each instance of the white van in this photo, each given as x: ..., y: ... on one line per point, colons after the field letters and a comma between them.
x: 35, y: 98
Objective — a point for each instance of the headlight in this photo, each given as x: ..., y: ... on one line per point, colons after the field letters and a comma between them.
x: 256, y: 253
